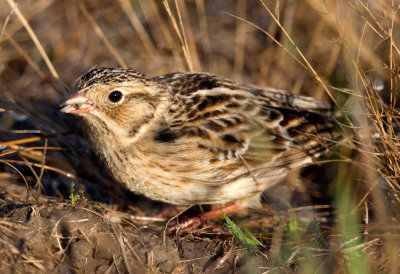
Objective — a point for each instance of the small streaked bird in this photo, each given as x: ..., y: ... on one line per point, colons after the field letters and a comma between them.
x: 197, y: 138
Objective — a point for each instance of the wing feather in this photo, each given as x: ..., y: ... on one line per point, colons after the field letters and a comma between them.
x: 265, y: 127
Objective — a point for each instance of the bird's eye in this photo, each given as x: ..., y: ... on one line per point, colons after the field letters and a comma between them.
x: 115, y: 96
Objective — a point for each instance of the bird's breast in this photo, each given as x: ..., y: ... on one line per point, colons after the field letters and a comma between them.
x: 179, y: 175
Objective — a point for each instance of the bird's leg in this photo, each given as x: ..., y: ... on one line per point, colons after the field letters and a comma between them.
x: 167, y: 213
x: 194, y: 222
x: 171, y: 211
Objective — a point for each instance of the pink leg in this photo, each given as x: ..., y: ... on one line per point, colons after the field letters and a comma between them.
x: 171, y: 211
x: 194, y: 222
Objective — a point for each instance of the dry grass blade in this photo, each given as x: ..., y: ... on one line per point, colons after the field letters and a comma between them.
x: 240, y: 40
x: 120, y: 239
x: 29, y: 152
x: 308, y: 65
x: 270, y: 36
x: 3, y: 28
x: 34, y: 38
x: 21, y: 141
x: 161, y: 28
x: 19, y: 172
x: 222, y: 260
x: 203, y: 25
x: 102, y: 36
x: 188, y: 35
x: 386, y: 35
x: 180, y: 33
x: 137, y: 25
x: 62, y: 172
x: 26, y: 57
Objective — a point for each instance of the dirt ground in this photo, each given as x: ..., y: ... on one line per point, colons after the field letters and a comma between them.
x: 43, y: 234
x: 59, y: 238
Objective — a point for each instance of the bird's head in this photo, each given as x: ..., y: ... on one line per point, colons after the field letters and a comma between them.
x: 122, y: 100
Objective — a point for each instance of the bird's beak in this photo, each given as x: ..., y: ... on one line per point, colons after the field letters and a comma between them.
x: 78, y: 103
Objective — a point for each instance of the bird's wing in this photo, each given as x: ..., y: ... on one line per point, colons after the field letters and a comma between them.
x: 238, y: 123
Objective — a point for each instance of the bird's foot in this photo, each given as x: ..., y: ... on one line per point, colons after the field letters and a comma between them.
x: 193, y: 223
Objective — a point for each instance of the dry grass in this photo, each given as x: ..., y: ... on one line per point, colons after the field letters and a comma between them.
x: 346, y: 52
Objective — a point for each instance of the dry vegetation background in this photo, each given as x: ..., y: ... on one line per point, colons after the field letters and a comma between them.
x: 61, y: 213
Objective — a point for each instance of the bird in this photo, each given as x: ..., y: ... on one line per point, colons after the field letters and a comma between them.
x: 192, y: 138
